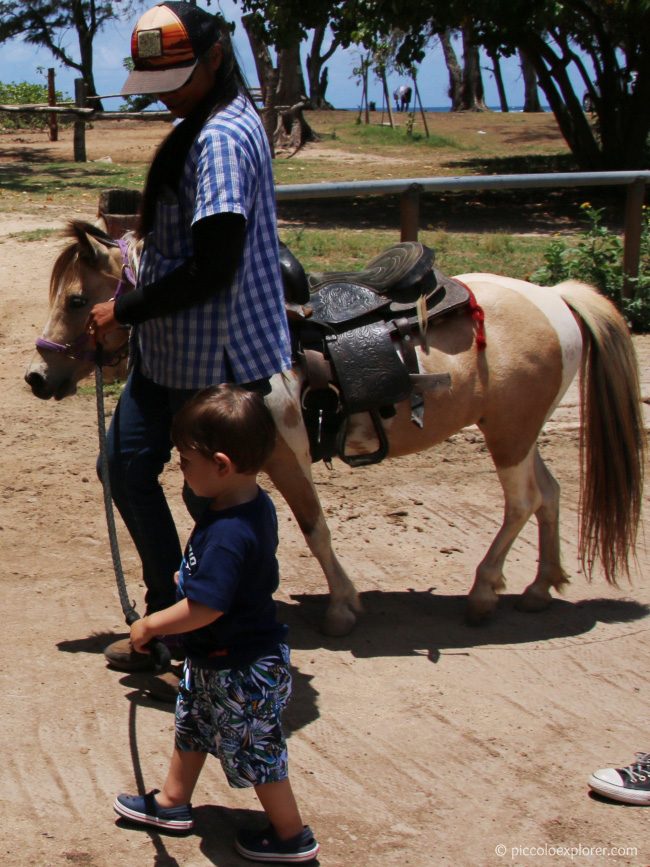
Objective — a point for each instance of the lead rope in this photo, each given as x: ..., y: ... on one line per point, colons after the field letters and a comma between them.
x: 158, y: 650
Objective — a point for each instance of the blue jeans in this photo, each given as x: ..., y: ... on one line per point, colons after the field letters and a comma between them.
x: 138, y: 447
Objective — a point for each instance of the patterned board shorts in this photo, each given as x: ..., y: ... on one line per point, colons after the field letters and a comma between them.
x: 235, y: 714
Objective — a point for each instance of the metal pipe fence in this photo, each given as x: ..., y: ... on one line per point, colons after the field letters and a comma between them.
x: 410, y: 191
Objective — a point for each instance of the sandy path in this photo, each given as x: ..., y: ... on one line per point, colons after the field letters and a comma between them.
x: 416, y: 740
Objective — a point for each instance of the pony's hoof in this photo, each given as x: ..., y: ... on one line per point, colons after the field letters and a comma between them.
x: 479, y: 611
x: 532, y: 602
x: 339, y: 621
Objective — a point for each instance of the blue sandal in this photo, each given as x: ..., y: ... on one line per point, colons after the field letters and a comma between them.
x: 267, y: 846
x: 145, y: 810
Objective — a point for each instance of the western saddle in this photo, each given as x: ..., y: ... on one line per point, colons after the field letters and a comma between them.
x: 354, y: 336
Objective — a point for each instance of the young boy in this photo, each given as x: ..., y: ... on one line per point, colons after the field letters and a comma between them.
x: 236, y: 678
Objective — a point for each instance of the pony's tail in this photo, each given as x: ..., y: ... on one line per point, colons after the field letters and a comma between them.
x: 612, y: 435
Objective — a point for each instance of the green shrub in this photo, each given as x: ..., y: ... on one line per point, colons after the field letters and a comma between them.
x: 597, y: 259
x: 24, y: 93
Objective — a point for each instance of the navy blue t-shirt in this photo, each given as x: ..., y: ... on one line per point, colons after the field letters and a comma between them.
x: 230, y: 565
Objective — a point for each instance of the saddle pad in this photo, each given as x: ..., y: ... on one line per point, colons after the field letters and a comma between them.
x: 370, y: 372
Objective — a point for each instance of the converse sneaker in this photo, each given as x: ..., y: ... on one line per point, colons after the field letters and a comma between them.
x: 145, y: 810
x: 267, y: 846
x: 631, y: 785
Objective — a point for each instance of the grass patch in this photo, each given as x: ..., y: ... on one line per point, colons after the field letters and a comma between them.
x: 515, y: 256
x: 342, y: 249
x: 111, y: 389
x: 33, y: 235
x: 386, y: 137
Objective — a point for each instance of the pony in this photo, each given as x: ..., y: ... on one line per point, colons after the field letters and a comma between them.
x: 537, y: 339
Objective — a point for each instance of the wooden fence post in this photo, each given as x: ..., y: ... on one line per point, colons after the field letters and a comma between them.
x: 410, y: 213
x: 51, y: 100
x: 80, y: 125
x: 632, y: 235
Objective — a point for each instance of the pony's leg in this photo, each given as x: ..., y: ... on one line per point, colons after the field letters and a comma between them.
x: 522, y: 498
x: 293, y: 479
x: 550, y: 573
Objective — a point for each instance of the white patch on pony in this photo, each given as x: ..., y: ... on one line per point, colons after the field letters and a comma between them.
x: 558, y: 314
x: 284, y: 403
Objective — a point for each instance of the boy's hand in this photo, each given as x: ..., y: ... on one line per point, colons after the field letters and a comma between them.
x: 140, y: 636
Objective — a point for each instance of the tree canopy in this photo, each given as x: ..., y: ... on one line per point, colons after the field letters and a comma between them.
x: 614, y: 37
x: 606, y: 41
x: 46, y: 23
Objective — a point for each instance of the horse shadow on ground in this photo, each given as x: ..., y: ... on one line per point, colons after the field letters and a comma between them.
x: 422, y: 623
x: 394, y: 624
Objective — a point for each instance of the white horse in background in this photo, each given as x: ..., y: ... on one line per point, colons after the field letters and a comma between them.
x: 402, y: 97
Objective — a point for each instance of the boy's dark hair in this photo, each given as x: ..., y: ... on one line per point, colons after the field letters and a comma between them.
x: 229, y: 419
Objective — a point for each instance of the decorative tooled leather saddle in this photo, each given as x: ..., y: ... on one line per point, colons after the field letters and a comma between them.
x: 354, y: 335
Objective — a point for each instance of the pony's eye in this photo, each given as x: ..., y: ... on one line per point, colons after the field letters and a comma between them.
x: 75, y: 302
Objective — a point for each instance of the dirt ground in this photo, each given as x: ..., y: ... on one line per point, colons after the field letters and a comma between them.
x: 129, y: 141
x: 416, y: 740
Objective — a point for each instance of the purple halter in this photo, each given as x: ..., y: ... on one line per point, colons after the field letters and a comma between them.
x: 77, y: 349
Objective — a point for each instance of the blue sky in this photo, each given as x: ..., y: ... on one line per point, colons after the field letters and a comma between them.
x: 19, y: 62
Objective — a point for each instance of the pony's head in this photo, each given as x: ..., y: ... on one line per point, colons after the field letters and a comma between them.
x: 85, y: 273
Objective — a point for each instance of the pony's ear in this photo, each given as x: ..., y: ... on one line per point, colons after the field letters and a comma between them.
x: 91, y: 251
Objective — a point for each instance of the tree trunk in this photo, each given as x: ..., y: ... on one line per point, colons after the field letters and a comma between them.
x: 473, y: 95
x: 292, y: 130
x: 291, y: 82
x: 284, y: 86
x: 498, y: 77
x: 316, y: 69
x: 254, y: 26
x: 270, y: 111
x: 453, y: 68
x: 363, y: 108
x: 531, y: 93
x: 567, y: 108
x: 85, y: 35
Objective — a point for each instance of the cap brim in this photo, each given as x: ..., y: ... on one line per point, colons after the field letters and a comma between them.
x: 157, y: 81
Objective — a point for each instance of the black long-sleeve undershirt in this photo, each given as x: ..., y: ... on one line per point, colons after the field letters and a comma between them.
x: 218, y: 243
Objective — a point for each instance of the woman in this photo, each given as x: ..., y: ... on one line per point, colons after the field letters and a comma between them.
x: 208, y: 306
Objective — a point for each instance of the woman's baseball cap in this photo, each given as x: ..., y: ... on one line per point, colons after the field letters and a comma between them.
x: 166, y: 45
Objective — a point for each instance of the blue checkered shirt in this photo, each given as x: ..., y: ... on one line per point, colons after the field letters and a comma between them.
x: 227, y: 170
